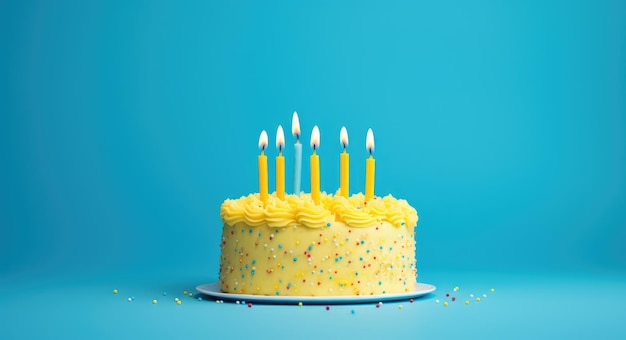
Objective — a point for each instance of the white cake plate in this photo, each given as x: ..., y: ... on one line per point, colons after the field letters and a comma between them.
x: 213, y: 290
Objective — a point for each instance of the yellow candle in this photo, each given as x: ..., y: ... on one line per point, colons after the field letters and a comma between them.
x: 280, y: 163
x: 344, y: 165
x: 370, y: 164
x: 315, y: 166
x: 263, y: 167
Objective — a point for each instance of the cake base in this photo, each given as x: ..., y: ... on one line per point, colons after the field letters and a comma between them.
x: 331, y: 261
x: 213, y: 290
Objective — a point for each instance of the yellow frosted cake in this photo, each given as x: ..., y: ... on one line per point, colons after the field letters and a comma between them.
x: 343, y: 246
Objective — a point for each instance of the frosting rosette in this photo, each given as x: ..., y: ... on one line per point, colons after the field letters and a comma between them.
x: 335, y: 204
x: 254, y: 211
x: 377, y: 208
x: 358, y: 217
x: 280, y: 213
x: 357, y: 200
x: 231, y: 212
x: 312, y: 215
x: 399, y: 212
x: 409, y: 212
x: 393, y: 211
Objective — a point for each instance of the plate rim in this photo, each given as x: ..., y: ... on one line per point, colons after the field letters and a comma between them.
x: 213, y: 290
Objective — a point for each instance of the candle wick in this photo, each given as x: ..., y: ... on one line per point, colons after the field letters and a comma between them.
x: 344, y: 146
x: 370, y: 152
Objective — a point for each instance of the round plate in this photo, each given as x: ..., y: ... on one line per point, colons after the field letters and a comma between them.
x: 213, y: 290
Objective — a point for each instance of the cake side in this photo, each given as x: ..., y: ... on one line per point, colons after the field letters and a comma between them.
x: 294, y: 247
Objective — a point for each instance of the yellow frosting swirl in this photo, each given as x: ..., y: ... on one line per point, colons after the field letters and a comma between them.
x: 357, y: 217
x: 410, y: 213
x: 254, y: 211
x: 357, y: 200
x: 279, y: 213
x: 232, y: 212
x: 335, y: 204
x: 378, y: 209
x: 312, y: 215
x: 300, y: 209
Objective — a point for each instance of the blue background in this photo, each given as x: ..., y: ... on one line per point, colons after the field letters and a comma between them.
x: 125, y: 124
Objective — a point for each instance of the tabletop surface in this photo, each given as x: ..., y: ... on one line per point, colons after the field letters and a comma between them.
x: 522, y: 306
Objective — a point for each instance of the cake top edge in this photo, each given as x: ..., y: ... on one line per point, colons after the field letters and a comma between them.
x: 353, y: 211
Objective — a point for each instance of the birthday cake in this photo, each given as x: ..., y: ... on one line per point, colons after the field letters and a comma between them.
x: 343, y: 246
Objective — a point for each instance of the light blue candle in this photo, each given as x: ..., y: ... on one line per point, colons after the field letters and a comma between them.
x: 297, y: 167
x: 297, y: 159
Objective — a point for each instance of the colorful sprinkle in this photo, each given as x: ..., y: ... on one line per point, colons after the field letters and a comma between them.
x: 185, y: 293
x: 477, y: 299
x: 300, y: 304
x: 199, y: 298
x: 453, y: 298
x: 411, y: 300
x: 115, y: 291
x: 164, y: 293
x: 327, y: 307
x: 467, y: 302
x: 445, y: 303
x: 437, y: 301
x: 249, y: 305
x: 352, y: 311
x: 456, y: 289
x: 154, y: 302
x: 492, y: 290
x: 484, y: 295
x: 399, y: 306
x: 447, y: 294
x: 179, y: 302
x: 130, y: 299
x: 471, y: 295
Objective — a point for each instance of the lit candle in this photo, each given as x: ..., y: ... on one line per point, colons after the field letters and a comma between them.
x: 315, y: 165
x: 297, y: 159
x: 263, y: 166
x: 280, y: 163
x: 369, y: 166
x: 344, y: 164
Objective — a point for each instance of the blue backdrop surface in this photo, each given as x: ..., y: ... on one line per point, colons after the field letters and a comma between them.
x: 126, y: 124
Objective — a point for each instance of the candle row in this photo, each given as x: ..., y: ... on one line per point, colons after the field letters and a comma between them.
x: 344, y: 163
